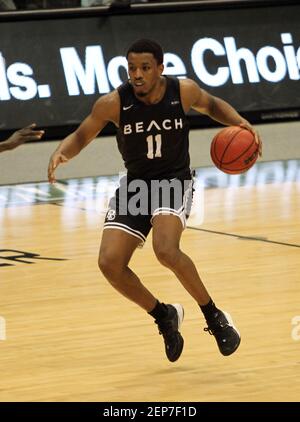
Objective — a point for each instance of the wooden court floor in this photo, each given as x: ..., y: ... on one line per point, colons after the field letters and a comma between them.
x: 66, y: 335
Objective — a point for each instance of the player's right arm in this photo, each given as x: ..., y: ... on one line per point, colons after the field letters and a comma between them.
x: 106, y: 109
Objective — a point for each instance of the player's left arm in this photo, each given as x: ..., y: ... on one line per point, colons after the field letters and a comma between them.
x: 198, y: 99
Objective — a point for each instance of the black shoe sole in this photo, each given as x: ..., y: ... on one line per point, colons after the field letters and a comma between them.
x: 178, y: 354
x: 230, y: 352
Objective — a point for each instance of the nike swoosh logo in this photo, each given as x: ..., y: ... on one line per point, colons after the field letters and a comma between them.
x: 128, y: 107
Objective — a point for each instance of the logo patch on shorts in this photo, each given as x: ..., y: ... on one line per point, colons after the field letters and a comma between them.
x: 111, y: 215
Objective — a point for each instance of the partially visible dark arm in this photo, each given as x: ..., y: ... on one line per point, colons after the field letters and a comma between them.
x: 20, y: 136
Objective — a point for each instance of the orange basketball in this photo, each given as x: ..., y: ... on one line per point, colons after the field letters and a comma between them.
x: 234, y: 150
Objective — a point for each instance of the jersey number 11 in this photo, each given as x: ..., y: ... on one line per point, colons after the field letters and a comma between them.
x: 150, y: 141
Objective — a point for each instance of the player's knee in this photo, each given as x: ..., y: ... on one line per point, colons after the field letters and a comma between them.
x: 109, y: 267
x: 167, y: 255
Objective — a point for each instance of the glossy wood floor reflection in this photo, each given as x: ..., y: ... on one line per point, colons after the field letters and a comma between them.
x: 71, y: 337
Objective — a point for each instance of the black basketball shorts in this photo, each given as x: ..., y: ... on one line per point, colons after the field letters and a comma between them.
x: 136, y: 202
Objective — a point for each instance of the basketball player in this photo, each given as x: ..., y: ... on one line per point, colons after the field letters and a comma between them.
x: 150, y: 113
x: 20, y: 136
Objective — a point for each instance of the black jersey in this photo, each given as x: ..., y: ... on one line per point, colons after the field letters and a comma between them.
x: 153, y: 139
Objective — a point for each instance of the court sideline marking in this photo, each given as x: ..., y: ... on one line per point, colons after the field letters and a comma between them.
x: 241, y: 237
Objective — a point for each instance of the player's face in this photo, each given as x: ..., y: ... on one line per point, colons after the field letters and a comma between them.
x: 144, y: 72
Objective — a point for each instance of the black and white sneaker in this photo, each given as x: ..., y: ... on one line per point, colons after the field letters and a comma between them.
x: 169, y: 328
x: 222, y: 328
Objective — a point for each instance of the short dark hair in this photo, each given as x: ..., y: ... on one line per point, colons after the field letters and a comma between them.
x: 147, y: 46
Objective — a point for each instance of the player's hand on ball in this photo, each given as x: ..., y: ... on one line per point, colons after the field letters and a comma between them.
x: 248, y: 126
